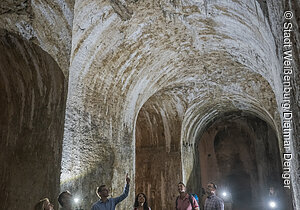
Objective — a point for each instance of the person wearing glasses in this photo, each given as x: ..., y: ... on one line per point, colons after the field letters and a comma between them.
x: 212, y: 201
x: 106, y: 203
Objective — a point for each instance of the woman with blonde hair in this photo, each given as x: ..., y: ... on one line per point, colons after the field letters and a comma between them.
x: 44, y: 204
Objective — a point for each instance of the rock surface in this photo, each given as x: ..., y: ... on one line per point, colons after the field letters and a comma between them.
x: 32, y: 95
x: 145, y: 81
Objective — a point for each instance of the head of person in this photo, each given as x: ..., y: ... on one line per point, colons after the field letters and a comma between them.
x: 272, y: 191
x: 141, y: 200
x: 65, y: 199
x: 44, y: 204
x: 102, y: 191
x: 181, y: 187
x: 211, y: 188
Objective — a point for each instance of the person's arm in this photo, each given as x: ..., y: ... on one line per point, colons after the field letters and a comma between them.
x: 125, y: 192
x: 195, y: 204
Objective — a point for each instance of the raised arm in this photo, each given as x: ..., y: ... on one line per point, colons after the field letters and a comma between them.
x: 125, y: 192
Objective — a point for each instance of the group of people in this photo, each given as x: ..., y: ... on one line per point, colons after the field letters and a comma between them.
x: 184, y: 201
x: 64, y: 199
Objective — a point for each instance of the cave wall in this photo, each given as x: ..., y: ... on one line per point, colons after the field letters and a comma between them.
x: 294, y: 7
x: 240, y: 153
x: 35, y: 53
x: 211, y: 57
x: 32, y: 95
x: 158, y: 156
x: 47, y: 24
x: 215, y: 56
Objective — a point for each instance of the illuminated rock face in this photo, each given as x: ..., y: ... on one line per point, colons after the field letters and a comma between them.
x: 181, y: 64
x: 47, y: 24
x: 145, y: 80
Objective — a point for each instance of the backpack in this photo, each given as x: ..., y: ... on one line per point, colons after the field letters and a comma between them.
x: 196, y: 197
x: 190, y: 199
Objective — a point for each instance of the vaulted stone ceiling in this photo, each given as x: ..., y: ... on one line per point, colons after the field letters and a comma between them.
x: 192, y: 60
x: 211, y: 58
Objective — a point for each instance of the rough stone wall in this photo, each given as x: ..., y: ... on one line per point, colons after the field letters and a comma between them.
x: 48, y: 24
x: 32, y: 96
x: 212, y: 56
x: 294, y: 6
x: 203, y: 58
x: 158, y: 156
x: 35, y: 55
x: 244, y: 148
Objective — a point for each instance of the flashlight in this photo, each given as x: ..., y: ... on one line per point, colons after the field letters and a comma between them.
x: 272, y: 204
x: 76, y: 200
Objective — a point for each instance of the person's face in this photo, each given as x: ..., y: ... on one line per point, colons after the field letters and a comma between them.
x: 181, y: 188
x: 104, y: 192
x: 210, y: 189
x: 141, y: 198
x: 48, y: 205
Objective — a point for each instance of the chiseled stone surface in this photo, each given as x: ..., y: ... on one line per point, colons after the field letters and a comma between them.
x: 46, y: 23
x: 240, y: 152
x: 32, y: 95
x: 35, y: 53
x: 294, y: 6
x: 158, y: 160
x: 211, y: 57
x: 138, y: 73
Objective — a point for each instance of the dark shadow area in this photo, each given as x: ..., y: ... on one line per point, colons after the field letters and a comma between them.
x: 32, y: 106
x: 240, y: 153
x: 240, y: 187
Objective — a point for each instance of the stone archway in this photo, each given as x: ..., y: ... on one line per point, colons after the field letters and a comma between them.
x: 32, y: 106
x: 117, y: 65
x: 240, y: 153
x: 158, y: 156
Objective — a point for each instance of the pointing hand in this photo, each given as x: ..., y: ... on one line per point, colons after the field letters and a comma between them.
x: 127, y: 179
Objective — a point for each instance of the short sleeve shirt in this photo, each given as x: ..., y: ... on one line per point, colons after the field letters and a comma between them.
x: 185, y: 204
